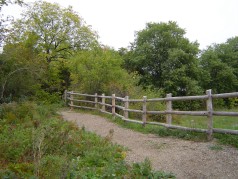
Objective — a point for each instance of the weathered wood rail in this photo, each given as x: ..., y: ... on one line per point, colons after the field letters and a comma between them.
x: 98, y: 102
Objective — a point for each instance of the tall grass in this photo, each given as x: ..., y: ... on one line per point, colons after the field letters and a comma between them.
x: 36, y: 143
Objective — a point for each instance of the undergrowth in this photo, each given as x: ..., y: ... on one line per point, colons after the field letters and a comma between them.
x: 36, y: 143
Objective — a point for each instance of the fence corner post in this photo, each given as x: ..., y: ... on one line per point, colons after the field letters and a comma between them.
x: 169, y: 109
x: 113, y: 105
x: 209, y: 115
x: 126, y: 106
x: 103, y: 102
x: 71, y: 101
x: 144, y: 110
x: 96, y: 101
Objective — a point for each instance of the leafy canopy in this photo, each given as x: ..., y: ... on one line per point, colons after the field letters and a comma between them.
x: 100, y: 71
x: 220, y: 66
x: 53, y: 31
x: 165, y: 59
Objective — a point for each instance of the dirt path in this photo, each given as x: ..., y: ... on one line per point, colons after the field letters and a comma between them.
x: 186, y: 159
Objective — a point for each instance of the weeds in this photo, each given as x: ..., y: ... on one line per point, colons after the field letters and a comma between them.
x: 216, y: 147
x: 37, y: 143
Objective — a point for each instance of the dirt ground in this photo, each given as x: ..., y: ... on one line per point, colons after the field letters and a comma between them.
x: 186, y: 159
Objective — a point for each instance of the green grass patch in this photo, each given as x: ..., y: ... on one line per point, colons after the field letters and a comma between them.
x: 225, y: 139
x: 222, y: 122
x: 37, y: 143
x: 162, y: 131
x: 216, y: 147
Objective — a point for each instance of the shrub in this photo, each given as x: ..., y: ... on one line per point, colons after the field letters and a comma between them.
x: 36, y: 143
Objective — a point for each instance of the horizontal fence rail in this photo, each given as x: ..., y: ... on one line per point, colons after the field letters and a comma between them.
x: 111, y: 105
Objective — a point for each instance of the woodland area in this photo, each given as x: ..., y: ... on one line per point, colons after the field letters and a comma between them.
x: 50, y: 49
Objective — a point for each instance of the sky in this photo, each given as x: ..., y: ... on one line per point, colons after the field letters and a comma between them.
x: 116, y: 21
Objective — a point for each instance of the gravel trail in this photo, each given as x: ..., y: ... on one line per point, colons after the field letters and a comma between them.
x: 186, y: 159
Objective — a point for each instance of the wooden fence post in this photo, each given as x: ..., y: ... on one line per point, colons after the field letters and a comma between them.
x: 96, y: 100
x: 71, y: 100
x: 169, y: 109
x: 113, y: 104
x: 103, y: 102
x: 126, y: 106
x: 144, y: 110
x: 209, y: 115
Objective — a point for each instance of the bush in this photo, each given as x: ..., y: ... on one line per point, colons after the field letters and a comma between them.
x: 151, y: 106
x: 47, y: 98
x: 36, y: 143
x: 99, y: 71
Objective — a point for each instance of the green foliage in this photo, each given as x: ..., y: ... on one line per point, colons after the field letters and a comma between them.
x: 53, y: 31
x: 220, y: 67
x: 138, y: 93
x: 227, y: 139
x: 53, y: 166
x: 100, y: 71
x: 37, y: 47
x: 47, y: 98
x: 19, y: 70
x: 165, y: 59
x: 36, y: 143
x: 219, y: 70
x: 143, y: 170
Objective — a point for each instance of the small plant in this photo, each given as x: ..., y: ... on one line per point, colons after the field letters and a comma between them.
x: 216, y: 147
x: 144, y: 170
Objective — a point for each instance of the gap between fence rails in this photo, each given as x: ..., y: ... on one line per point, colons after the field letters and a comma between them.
x: 168, y: 112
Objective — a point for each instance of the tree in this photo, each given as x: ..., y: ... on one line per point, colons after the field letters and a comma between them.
x: 54, y: 32
x: 100, y: 71
x: 20, y: 70
x: 165, y: 59
x: 220, y: 67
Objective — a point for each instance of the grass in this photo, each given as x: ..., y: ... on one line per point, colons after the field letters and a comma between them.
x: 216, y: 147
x: 36, y: 143
x: 222, y: 122
x: 152, y: 129
x: 225, y: 139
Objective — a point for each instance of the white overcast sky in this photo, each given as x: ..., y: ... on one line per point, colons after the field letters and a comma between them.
x: 207, y: 21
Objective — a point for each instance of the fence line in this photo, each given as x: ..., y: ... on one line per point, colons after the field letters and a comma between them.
x: 99, y: 102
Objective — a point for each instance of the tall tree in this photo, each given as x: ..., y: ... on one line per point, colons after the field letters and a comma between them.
x: 220, y: 66
x: 54, y: 32
x: 165, y: 59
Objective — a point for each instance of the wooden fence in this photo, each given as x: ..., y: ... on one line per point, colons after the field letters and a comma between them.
x: 98, y: 102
